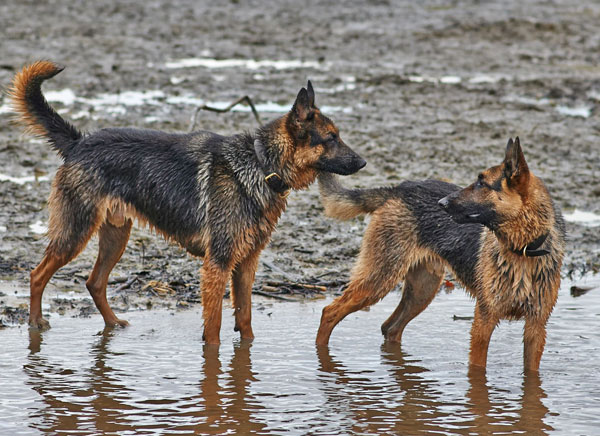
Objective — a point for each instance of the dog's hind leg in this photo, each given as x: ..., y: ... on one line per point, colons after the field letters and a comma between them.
x: 388, y: 249
x: 421, y: 284
x: 376, y: 273
x: 534, y: 340
x: 483, y: 326
x: 357, y: 296
x: 72, y: 223
x: 241, y: 293
x: 112, y: 242
x: 39, y: 278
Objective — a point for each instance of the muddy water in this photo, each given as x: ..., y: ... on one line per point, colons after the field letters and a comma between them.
x: 156, y: 377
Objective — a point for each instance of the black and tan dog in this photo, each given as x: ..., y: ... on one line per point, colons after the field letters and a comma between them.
x: 502, y: 237
x: 219, y: 197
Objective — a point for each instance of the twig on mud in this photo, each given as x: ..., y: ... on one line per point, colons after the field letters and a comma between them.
x: 298, y: 285
x: 158, y: 288
x: 245, y: 99
x: 269, y: 294
x: 332, y: 283
x: 327, y: 273
x: 278, y: 270
x: 127, y: 284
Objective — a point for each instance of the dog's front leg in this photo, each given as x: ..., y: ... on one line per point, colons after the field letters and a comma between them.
x: 483, y: 326
x: 241, y: 294
x: 214, y: 282
x: 534, y: 340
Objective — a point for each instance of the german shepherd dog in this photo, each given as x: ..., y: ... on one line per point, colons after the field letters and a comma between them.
x: 219, y: 197
x: 502, y: 237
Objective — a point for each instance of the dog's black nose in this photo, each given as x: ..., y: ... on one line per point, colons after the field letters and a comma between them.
x: 361, y: 162
x: 443, y: 203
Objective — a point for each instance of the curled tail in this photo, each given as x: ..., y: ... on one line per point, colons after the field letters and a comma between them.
x: 35, y: 112
x: 343, y: 203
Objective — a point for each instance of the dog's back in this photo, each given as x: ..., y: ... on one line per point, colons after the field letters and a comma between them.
x: 422, y: 220
x: 164, y: 179
x: 457, y: 245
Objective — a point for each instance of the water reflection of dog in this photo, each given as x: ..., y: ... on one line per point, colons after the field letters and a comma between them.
x: 493, y: 416
x: 414, y: 404
x: 410, y: 405
x: 100, y: 407
x: 226, y: 404
x: 97, y: 399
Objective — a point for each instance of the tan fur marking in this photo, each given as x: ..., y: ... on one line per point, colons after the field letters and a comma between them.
x: 340, y: 208
x: 241, y: 294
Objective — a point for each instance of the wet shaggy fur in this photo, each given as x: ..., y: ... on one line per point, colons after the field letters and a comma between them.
x: 208, y: 193
x: 485, y: 234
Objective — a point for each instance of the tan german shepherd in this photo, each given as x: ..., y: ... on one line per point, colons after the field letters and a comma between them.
x: 502, y: 237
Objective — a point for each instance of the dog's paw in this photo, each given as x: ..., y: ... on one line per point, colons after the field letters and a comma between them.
x: 39, y: 324
x: 117, y: 323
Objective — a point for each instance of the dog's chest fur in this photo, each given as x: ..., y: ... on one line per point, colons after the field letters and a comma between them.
x: 513, y: 286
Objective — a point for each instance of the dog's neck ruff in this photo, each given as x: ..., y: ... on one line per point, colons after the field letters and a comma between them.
x: 272, y: 178
x: 532, y: 249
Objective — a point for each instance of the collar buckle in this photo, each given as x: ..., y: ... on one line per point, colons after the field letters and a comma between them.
x: 533, y: 248
x: 277, y: 184
x: 272, y: 179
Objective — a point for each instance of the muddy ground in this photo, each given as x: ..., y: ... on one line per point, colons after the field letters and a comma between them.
x: 427, y: 89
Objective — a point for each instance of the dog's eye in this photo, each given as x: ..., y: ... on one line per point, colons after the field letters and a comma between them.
x: 332, y: 136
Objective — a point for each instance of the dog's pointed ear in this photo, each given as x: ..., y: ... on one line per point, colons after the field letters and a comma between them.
x: 515, y: 166
x: 301, y: 106
x: 311, y: 94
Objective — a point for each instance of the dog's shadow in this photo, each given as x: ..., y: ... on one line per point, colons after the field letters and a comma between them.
x: 421, y: 405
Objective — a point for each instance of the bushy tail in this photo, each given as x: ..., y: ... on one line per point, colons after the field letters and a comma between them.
x: 343, y: 203
x: 35, y: 112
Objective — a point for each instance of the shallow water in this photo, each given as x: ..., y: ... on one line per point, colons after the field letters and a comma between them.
x: 156, y: 377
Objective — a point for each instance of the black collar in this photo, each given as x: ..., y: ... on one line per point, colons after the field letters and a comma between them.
x: 531, y: 249
x: 272, y: 178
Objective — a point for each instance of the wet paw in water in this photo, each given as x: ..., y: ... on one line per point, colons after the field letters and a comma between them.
x: 39, y: 324
x: 117, y: 323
